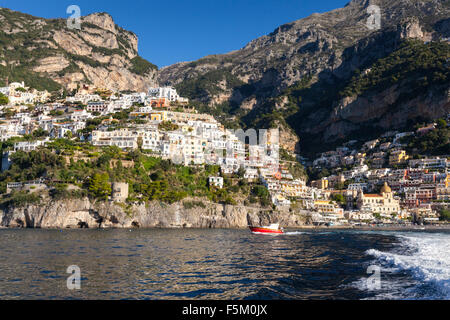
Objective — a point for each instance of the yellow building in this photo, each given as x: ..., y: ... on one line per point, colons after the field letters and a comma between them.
x: 321, y: 184
x: 383, y: 203
x: 159, y: 116
x: 328, y: 207
x: 293, y: 188
x: 398, y: 157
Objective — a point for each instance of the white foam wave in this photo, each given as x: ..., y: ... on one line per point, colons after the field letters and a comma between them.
x: 427, y: 260
x: 294, y: 233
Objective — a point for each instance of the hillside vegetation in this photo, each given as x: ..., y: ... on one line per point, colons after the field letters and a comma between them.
x: 47, y: 55
x: 149, y: 178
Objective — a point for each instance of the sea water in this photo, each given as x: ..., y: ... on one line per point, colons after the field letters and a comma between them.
x: 224, y: 264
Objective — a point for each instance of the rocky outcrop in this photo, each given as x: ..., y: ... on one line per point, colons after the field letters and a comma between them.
x: 52, y: 64
x: 412, y: 29
x: 100, y: 53
x: 353, y: 113
x: 314, y: 44
x: 86, y: 214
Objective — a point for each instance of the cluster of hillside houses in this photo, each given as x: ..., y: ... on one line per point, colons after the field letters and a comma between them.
x: 170, y: 129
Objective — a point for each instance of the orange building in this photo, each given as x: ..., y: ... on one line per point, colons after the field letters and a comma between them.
x: 159, y: 103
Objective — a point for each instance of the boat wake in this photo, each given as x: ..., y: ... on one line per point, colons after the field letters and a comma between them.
x: 425, y: 259
x: 294, y: 233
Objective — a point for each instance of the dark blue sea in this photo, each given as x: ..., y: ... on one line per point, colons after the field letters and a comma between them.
x: 225, y: 264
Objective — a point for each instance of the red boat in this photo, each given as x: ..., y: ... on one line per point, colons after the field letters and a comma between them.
x: 273, y: 229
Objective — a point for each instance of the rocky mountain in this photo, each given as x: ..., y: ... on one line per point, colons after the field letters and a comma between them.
x: 49, y: 55
x: 304, y: 76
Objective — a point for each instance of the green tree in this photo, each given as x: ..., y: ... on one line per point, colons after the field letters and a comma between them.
x: 140, y: 143
x: 441, y: 123
x: 3, y: 99
x: 8, y: 113
x: 157, y: 176
x: 377, y: 216
x: 241, y: 172
x: 68, y: 135
x: 263, y: 194
x: 339, y: 198
x: 99, y: 186
x: 445, y: 215
x: 39, y: 133
x: 260, y: 191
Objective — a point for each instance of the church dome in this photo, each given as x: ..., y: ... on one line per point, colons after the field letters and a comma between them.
x: 386, y: 188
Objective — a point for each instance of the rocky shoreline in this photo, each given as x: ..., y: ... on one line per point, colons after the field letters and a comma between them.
x: 83, y: 213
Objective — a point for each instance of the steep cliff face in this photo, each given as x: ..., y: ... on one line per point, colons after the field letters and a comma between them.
x: 324, y: 49
x: 410, y: 85
x: 352, y: 113
x: 100, y: 53
x: 312, y: 45
x: 85, y: 214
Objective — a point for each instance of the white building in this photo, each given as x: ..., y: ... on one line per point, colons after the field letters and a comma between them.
x: 84, y: 98
x: 22, y: 98
x: 27, y: 146
x: 122, y: 138
x: 120, y: 104
x: 80, y: 115
x: 280, y: 201
x: 24, y: 118
x: 432, y: 163
x: 166, y: 92
x: 46, y: 122
x: 11, y: 129
x: 216, y: 182
x: 358, y: 186
x: 5, y: 91
x: 251, y: 174
x: 138, y: 97
x: 100, y: 107
x: 60, y: 132
x: 151, y: 140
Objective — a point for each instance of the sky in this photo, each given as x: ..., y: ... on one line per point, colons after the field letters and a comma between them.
x: 172, y: 31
